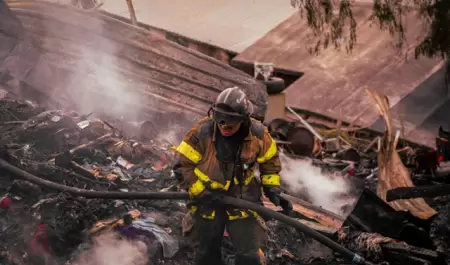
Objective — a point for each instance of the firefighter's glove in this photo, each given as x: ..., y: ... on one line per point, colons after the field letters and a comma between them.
x: 286, y: 205
x: 208, y: 197
x: 273, y: 194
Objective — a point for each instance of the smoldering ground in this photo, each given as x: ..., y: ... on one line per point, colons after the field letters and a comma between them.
x: 326, y: 190
x: 107, y: 249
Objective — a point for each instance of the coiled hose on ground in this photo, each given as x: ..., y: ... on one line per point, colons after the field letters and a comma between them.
x: 355, y: 258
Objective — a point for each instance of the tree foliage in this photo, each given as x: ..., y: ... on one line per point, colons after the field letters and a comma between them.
x: 333, y: 21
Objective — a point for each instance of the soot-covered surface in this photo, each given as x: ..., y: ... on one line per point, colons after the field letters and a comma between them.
x: 41, y: 225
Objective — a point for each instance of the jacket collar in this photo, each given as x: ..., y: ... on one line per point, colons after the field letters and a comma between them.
x: 215, y: 129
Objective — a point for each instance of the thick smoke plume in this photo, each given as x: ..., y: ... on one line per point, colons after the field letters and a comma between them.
x: 321, y: 189
x: 108, y: 250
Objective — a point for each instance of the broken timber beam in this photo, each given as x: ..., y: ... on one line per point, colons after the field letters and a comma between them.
x: 132, y: 12
x: 317, y: 226
x: 410, y: 250
x: 400, y: 253
x: 317, y: 213
x: 403, y: 193
x: 65, y: 160
x: 86, y: 145
x: 326, y: 222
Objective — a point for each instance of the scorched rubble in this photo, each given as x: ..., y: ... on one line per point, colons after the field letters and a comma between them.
x: 39, y: 225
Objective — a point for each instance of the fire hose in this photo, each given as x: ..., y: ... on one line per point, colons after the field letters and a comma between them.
x: 355, y: 258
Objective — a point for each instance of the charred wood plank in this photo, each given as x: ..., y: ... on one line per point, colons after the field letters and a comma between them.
x: 317, y: 226
x: 317, y: 213
x: 403, y: 193
x: 86, y: 145
x: 408, y: 250
x: 65, y: 160
x: 399, y: 253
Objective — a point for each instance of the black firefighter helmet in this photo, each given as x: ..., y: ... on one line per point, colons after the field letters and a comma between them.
x: 231, y: 107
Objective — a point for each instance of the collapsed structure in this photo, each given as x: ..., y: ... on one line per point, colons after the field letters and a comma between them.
x: 86, y: 125
x: 334, y: 81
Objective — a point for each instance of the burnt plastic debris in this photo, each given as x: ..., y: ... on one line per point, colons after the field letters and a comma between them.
x: 148, y: 229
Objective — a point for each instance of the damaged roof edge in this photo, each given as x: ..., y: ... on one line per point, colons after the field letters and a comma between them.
x: 326, y: 121
x: 334, y: 82
x: 150, y: 27
x: 163, y: 63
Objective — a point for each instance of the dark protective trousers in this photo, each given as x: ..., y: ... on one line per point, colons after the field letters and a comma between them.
x: 248, y: 236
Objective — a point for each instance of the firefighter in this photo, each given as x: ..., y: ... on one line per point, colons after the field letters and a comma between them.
x: 218, y: 156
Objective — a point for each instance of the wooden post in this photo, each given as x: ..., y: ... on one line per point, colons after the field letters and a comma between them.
x: 132, y: 13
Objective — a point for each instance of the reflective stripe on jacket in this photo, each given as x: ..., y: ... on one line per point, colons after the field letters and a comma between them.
x: 201, y: 169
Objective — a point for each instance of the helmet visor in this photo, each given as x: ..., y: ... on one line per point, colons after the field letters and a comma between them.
x: 226, y: 118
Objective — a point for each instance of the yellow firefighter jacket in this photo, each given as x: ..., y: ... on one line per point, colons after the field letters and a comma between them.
x: 201, y: 169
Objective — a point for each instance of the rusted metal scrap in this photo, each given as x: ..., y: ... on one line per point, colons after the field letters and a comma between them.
x: 392, y: 172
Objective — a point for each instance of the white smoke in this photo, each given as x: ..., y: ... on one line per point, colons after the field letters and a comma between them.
x: 322, y: 189
x: 111, y: 94
x: 94, y: 79
x: 170, y: 136
x: 108, y: 250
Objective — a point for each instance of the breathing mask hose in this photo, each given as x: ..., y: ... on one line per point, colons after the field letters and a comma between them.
x: 238, y: 203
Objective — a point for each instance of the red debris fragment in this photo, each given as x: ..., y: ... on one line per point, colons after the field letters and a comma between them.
x: 351, y: 172
x: 164, y: 159
x: 6, y: 202
x: 39, y: 244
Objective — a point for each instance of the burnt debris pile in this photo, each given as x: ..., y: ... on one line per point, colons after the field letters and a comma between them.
x: 41, y: 225
x: 369, y: 173
x: 63, y: 147
x: 334, y: 191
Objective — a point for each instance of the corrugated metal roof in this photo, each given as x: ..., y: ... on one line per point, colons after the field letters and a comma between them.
x: 94, y: 58
x: 334, y: 82
x: 230, y: 24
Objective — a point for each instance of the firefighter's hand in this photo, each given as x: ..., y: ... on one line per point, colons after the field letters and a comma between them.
x: 286, y: 205
x: 273, y: 194
x: 204, y: 195
x: 208, y: 196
